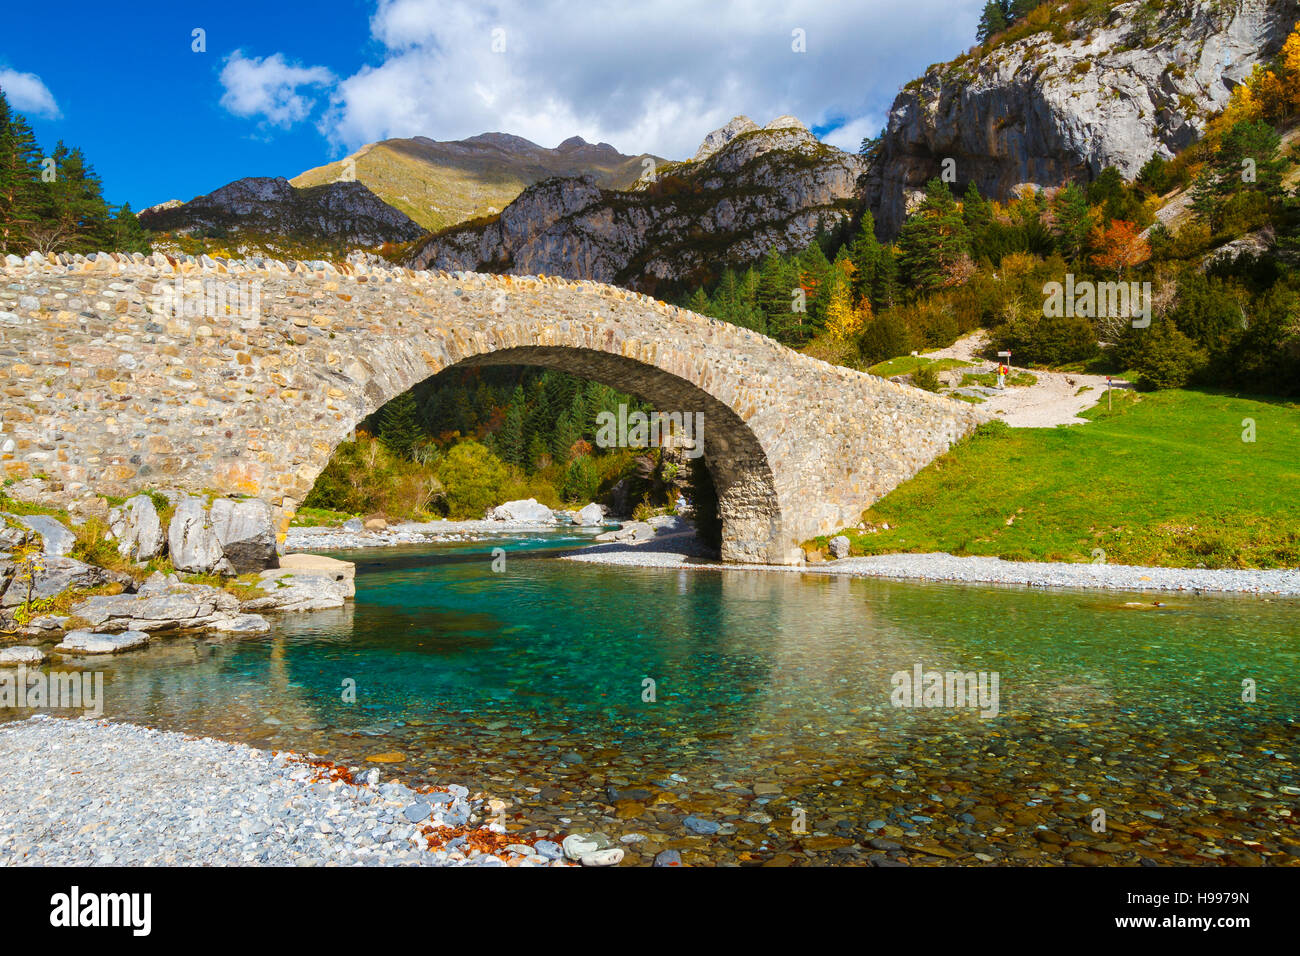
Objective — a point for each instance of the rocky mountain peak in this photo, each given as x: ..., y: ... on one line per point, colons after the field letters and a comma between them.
x: 747, y: 193
x: 722, y: 136
x: 786, y: 122
x: 337, y: 212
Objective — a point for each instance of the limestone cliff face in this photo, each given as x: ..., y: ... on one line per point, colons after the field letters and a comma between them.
x: 1109, y: 89
x: 752, y: 187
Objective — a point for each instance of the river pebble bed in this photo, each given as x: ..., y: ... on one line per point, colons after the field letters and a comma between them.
x: 90, y: 792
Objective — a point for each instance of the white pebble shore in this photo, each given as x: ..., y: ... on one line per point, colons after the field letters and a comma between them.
x: 979, y: 570
x: 87, y: 792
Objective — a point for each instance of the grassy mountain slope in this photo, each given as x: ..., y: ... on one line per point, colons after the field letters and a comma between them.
x: 440, y: 184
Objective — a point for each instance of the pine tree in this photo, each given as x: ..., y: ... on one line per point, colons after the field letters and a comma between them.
x: 1245, y: 165
x: 19, y: 179
x: 127, y: 233
x: 1073, y: 221
x: 509, y: 442
x: 777, y: 287
x: 887, y: 291
x: 865, y: 252
x: 72, y: 215
x: 933, y: 239
x: 698, y: 302
x: 977, y: 213
x: 399, y: 425
x: 993, y: 20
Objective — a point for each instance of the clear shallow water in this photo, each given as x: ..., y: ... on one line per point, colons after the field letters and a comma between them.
x: 773, y: 699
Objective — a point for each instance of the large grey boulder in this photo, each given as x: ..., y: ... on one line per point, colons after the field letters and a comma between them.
x: 192, y: 542
x: 344, y: 573
x: 245, y: 529
x: 136, y: 527
x: 531, y: 511
x: 56, y: 539
x: 183, y: 606
x: 839, y: 546
x: 54, y: 576
x: 300, y: 589
x: 591, y: 516
x: 243, y: 624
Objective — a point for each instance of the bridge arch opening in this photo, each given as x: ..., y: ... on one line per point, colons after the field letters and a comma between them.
x: 735, y: 461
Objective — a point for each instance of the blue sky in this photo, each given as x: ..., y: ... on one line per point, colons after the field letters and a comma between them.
x: 282, y: 87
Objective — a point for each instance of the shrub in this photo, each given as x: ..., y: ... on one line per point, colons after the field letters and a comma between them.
x: 994, y: 428
x: 926, y: 377
x: 582, y: 480
x: 365, y: 476
x: 474, y: 479
x: 1166, y: 358
x: 885, y: 337
x: 1045, y: 340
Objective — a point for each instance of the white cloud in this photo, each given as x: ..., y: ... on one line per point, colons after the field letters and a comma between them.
x: 269, y: 87
x: 653, y: 75
x: 27, y: 93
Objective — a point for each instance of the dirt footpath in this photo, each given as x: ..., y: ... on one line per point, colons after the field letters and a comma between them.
x: 1056, y: 399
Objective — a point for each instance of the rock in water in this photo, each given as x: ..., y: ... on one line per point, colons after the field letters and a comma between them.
x: 578, y: 845
x: 13, y: 656
x: 246, y: 532
x: 344, y: 573
x: 602, y: 858
x: 243, y: 624
x: 88, y: 642
x: 524, y: 512
x: 190, y: 539
x: 137, y: 529
x: 593, y: 515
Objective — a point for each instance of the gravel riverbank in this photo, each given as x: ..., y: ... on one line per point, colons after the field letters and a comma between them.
x: 90, y: 792
x: 682, y: 552
x: 412, y: 532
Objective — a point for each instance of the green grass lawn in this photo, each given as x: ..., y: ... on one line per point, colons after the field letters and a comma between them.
x: 907, y: 364
x: 1165, y: 479
x: 990, y: 379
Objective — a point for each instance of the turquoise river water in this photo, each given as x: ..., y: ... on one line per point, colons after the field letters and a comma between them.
x: 761, y: 706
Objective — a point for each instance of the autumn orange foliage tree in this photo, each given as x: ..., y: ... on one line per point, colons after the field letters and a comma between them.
x: 1119, y: 246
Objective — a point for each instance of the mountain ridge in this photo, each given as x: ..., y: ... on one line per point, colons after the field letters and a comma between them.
x: 441, y: 183
x: 755, y: 188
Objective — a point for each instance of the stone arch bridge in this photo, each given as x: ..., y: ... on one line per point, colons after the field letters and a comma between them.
x: 128, y: 373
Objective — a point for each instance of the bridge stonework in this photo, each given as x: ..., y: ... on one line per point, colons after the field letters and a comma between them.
x: 128, y: 373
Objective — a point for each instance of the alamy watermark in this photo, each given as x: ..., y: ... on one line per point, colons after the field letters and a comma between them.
x: 1088, y: 300
x: 921, y: 688
x: 208, y: 297
x: 55, y: 690
x: 626, y: 429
